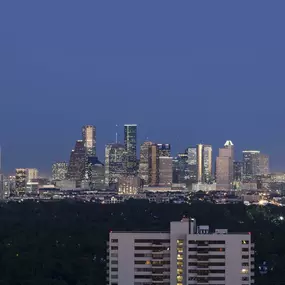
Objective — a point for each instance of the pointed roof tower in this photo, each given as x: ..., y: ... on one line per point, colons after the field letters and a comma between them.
x: 228, y: 143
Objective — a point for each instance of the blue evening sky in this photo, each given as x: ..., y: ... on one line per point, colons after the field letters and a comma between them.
x: 184, y: 71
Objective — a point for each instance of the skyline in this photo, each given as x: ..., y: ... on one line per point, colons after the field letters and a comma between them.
x: 215, y: 152
x: 189, y: 73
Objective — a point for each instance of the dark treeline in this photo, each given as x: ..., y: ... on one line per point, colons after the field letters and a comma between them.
x: 64, y: 243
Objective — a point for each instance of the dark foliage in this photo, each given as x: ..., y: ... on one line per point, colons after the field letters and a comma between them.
x: 64, y: 243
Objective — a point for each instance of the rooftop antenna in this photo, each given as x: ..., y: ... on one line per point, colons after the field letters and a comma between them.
x: 116, y: 133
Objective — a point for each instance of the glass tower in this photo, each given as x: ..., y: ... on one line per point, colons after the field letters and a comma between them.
x: 130, y: 138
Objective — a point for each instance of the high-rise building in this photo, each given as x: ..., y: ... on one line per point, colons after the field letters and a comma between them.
x: 249, y: 164
x: 164, y: 150
x: 224, y: 167
x: 114, y: 163
x: 192, y: 164
x: 154, y: 166
x: 165, y: 171
x: 254, y: 163
x: 263, y: 164
x: 89, y: 140
x: 145, y: 162
x: 21, y: 181
x: 207, y: 163
x: 32, y: 174
x: 59, y: 171
x: 130, y: 138
x: 95, y: 179
x: 77, y: 162
x: 200, y: 162
x: 238, y: 170
x: 180, y: 168
x: 187, y: 254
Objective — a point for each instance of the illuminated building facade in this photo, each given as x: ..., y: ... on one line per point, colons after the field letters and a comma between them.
x: 145, y: 162
x: 114, y: 163
x: 59, y: 170
x: 21, y: 181
x: 192, y: 164
x: 207, y: 164
x: 89, y: 139
x: 154, y: 166
x: 224, y: 167
x: 187, y: 254
x: 32, y: 174
x: 76, y: 166
x: 130, y: 139
x: 180, y: 168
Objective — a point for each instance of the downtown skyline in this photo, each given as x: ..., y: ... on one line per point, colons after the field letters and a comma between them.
x: 118, y: 135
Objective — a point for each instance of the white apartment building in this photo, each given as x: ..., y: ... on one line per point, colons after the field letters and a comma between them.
x: 187, y: 254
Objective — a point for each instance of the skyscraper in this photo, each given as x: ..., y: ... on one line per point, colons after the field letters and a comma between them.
x: 200, y: 162
x: 21, y: 181
x: 89, y: 139
x: 164, y: 149
x: 224, y: 167
x: 165, y: 171
x: 207, y: 163
x: 114, y: 163
x: 59, y: 171
x: 263, y: 164
x: 180, y: 168
x: 77, y: 162
x: 254, y: 163
x: 238, y: 170
x: 95, y: 179
x: 192, y: 164
x: 32, y: 173
x: 130, y: 138
x: 145, y: 162
x: 154, y: 166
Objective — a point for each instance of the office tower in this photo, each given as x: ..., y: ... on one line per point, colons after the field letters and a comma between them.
x: 192, y: 164
x: 21, y: 181
x: 154, y: 166
x: 250, y: 164
x: 89, y: 140
x: 165, y: 171
x: 200, y: 162
x: 180, y: 168
x: 130, y: 137
x: 207, y: 163
x: 224, y: 167
x: 95, y: 179
x: 263, y: 164
x: 254, y: 163
x: 76, y: 166
x: 164, y: 150
x: 187, y: 254
x: 238, y: 170
x: 114, y: 163
x: 32, y: 174
x: 59, y: 171
x: 145, y: 162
